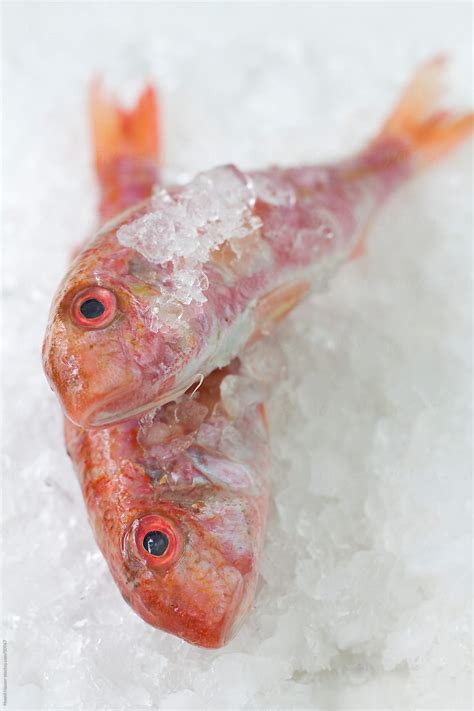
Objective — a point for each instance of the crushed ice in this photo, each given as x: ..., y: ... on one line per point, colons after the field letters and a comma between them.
x: 186, y: 225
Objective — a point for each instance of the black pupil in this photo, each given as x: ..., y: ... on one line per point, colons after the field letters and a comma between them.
x: 92, y: 308
x: 155, y: 543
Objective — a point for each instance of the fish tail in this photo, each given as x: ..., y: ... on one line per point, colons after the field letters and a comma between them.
x: 126, y: 146
x: 427, y: 130
x: 118, y: 132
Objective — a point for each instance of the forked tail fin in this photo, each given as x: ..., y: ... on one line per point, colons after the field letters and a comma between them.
x: 118, y: 132
x: 428, y: 131
x: 126, y: 146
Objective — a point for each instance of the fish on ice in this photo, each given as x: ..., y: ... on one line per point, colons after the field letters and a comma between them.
x: 184, y: 280
x: 178, y: 498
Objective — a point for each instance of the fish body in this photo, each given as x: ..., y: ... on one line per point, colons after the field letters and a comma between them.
x: 193, y: 274
x: 178, y: 504
x: 169, y: 334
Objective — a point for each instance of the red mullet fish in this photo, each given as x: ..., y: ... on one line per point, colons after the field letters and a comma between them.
x: 182, y: 282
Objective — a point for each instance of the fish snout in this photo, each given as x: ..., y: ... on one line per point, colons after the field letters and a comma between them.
x: 88, y: 381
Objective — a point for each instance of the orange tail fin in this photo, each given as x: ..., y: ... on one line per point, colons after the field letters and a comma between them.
x: 429, y: 131
x: 126, y: 145
x: 118, y: 132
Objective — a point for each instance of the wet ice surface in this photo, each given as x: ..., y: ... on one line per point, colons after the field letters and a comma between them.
x: 365, y: 589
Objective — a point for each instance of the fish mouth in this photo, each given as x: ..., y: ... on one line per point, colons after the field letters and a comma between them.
x: 234, y: 615
x: 112, y: 418
x: 193, y: 630
x: 219, y: 635
x: 100, y: 417
x: 102, y: 414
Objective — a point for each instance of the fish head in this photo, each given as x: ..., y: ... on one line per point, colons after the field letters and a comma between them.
x: 183, y: 539
x: 192, y: 572
x: 105, y: 354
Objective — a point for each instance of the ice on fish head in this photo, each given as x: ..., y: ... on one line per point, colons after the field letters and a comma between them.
x: 128, y: 330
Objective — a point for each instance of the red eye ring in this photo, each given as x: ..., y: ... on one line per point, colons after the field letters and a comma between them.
x: 94, y: 307
x: 156, y: 533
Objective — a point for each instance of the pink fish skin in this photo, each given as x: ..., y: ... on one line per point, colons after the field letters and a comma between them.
x: 193, y: 479
x: 197, y: 272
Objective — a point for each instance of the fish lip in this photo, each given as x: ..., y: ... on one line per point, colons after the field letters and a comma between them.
x: 91, y: 420
x: 109, y: 418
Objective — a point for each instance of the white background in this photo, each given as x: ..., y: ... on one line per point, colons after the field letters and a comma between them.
x: 365, y: 589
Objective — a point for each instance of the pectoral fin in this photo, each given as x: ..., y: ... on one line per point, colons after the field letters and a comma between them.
x: 275, y: 305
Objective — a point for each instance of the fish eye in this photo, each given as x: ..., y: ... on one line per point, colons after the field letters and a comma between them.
x: 155, y: 543
x: 94, y: 307
x: 156, y: 540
